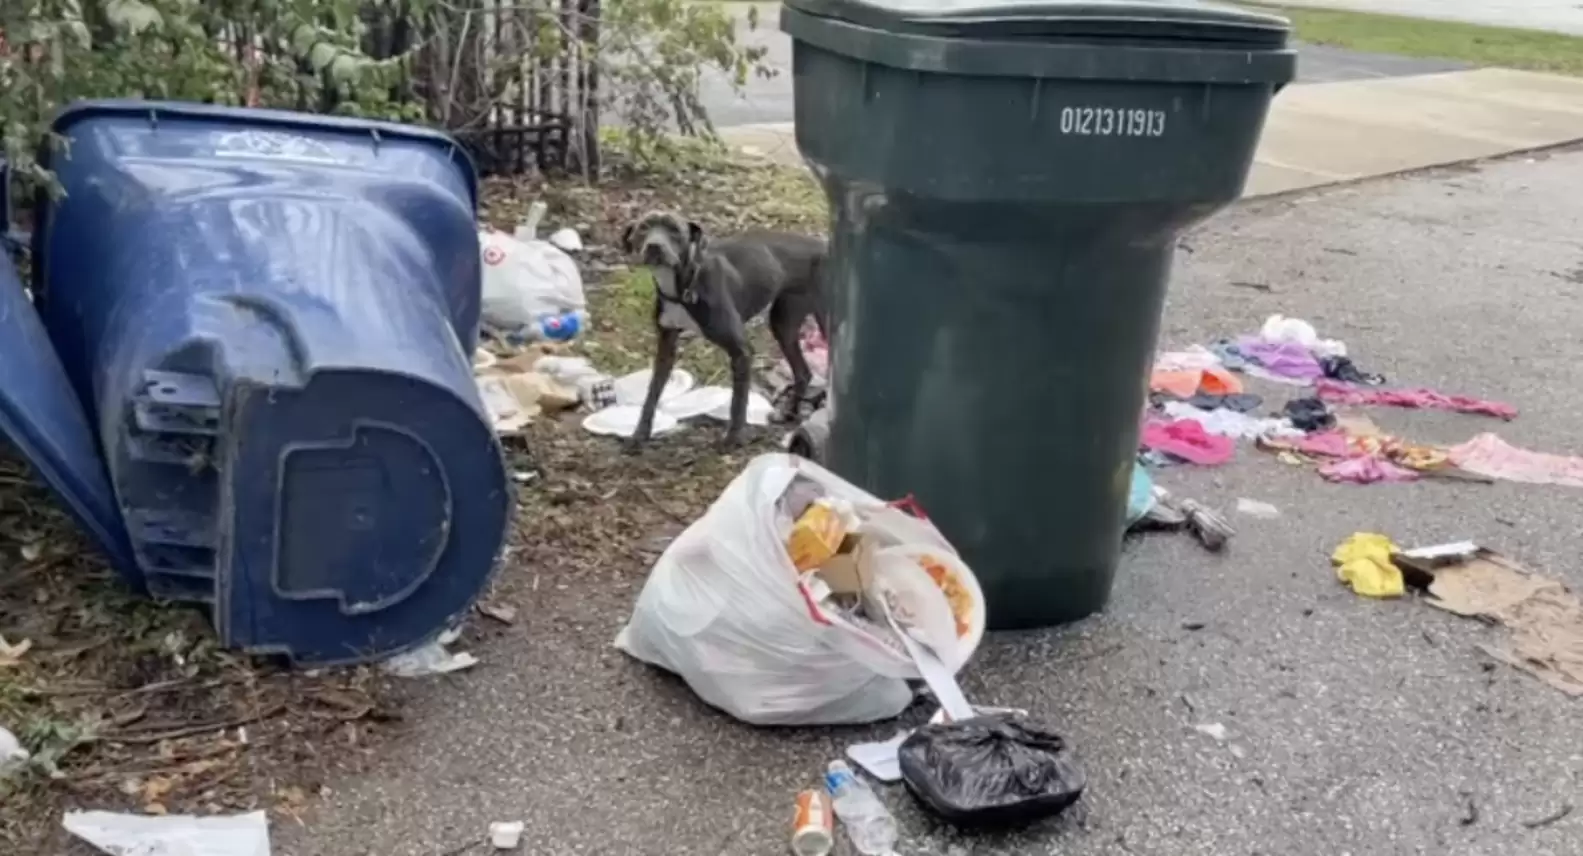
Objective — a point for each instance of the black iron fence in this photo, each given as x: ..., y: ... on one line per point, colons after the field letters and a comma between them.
x: 515, y: 80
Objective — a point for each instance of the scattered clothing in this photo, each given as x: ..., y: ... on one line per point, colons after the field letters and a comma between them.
x: 1365, y: 469
x: 1195, y: 358
x: 1289, y: 361
x: 1363, y: 562
x: 1231, y: 423
x: 1242, y: 402
x: 1190, y: 382
x: 1279, y: 328
x: 1309, y: 414
x: 1230, y: 355
x: 1342, y: 393
x: 1346, y: 371
x: 1321, y: 444
x: 1490, y: 456
x: 1187, y: 439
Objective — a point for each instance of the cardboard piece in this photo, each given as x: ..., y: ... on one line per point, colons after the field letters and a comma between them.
x: 1541, y: 617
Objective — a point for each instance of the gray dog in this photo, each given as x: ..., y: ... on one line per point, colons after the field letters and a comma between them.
x: 714, y: 288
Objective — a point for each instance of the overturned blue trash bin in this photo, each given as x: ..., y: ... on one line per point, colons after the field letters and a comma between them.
x: 269, y: 318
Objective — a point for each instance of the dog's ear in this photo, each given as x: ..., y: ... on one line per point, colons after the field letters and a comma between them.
x: 627, y: 235
x: 695, y: 234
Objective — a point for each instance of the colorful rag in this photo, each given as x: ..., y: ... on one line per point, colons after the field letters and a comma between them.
x: 1289, y: 360
x: 1187, y: 440
x: 1345, y: 393
x: 1365, y: 469
x: 1490, y: 456
x: 1364, y: 562
x: 1186, y: 383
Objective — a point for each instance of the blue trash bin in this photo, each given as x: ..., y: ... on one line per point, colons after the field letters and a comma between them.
x: 43, y: 419
x: 269, y: 319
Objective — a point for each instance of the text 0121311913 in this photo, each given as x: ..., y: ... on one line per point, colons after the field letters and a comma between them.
x: 1112, y: 122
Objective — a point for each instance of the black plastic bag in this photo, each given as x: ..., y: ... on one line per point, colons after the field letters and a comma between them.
x: 991, y: 771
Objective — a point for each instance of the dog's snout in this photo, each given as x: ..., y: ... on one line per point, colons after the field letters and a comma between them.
x: 655, y: 252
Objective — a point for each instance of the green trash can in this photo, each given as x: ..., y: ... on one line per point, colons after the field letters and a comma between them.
x: 1007, y: 182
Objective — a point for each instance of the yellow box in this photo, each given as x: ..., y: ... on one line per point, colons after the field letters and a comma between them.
x: 815, y: 537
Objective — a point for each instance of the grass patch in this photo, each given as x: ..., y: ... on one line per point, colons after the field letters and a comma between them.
x: 1531, y: 50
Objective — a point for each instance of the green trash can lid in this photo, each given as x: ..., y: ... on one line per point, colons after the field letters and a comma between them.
x: 1143, y: 23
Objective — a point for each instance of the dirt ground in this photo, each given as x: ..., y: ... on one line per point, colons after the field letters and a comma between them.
x: 130, y: 705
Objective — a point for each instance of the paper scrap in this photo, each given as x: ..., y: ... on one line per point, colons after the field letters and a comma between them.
x: 171, y: 835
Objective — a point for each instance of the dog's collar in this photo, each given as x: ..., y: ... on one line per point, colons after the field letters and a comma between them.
x: 687, y: 294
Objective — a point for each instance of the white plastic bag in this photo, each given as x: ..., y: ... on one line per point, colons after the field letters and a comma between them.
x: 723, y: 609
x: 526, y: 279
x: 172, y: 835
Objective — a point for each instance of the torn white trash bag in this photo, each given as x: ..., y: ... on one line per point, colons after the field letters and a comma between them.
x: 724, y: 610
x: 526, y: 279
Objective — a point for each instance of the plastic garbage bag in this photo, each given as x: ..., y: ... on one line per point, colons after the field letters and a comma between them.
x: 527, y: 280
x: 990, y: 771
x: 171, y: 835
x: 724, y: 610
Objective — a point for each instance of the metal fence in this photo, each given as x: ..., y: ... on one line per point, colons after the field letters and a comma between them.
x: 514, y: 80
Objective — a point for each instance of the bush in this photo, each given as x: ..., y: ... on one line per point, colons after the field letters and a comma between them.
x: 454, y: 63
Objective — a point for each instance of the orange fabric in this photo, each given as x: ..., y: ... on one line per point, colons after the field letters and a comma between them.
x: 1218, y: 381
x: 1180, y: 384
x: 1186, y: 384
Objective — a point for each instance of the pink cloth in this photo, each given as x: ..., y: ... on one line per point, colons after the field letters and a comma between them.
x: 1490, y: 456
x: 1346, y: 393
x: 1365, y: 469
x: 1187, y: 439
x: 1327, y: 444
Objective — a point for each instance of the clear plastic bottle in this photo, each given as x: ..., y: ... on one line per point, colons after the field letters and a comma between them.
x: 864, y: 816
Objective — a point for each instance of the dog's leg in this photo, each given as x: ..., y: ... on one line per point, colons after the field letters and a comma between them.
x: 785, y: 320
x: 741, y: 355
x: 664, y: 362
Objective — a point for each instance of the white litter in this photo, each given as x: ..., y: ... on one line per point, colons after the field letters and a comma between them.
x: 1214, y: 730
x: 1225, y: 422
x: 506, y: 836
x: 633, y: 388
x: 622, y: 420
x: 431, y: 659
x: 725, y: 609
x: 171, y: 835
x: 567, y: 240
x: 12, y: 756
x: 1257, y: 509
x: 697, y: 402
x: 1279, y: 328
x: 526, y: 279
x: 715, y: 402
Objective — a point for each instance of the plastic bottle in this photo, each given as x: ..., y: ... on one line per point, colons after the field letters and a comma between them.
x: 559, y: 327
x: 864, y: 816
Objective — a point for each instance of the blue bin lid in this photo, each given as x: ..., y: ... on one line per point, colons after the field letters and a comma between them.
x: 40, y: 414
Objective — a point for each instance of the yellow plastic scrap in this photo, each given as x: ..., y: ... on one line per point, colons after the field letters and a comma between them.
x: 1363, y: 562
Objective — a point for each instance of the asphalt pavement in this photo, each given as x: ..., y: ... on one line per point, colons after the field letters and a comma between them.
x: 1352, y: 727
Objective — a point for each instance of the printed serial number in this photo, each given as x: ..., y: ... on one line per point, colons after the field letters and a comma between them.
x: 1110, y: 122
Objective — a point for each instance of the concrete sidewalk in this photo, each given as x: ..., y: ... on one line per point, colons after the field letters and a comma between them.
x: 1326, y: 133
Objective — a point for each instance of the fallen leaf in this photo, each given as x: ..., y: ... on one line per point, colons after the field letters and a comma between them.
x: 11, y: 655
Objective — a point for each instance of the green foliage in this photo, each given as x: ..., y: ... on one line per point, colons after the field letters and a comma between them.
x: 454, y: 63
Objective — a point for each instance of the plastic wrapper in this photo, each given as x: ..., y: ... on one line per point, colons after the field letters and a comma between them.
x: 991, y: 771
